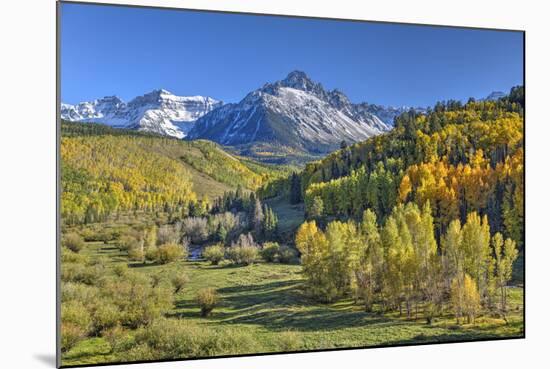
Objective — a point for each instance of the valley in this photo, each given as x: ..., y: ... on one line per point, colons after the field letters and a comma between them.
x: 264, y: 309
x: 255, y: 235
x: 236, y: 183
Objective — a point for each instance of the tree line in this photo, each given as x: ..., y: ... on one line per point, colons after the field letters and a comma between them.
x: 259, y: 217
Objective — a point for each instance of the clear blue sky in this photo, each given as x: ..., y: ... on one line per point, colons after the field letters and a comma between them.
x: 107, y: 50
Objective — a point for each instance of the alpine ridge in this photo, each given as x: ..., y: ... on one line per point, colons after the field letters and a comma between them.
x: 295, y: 112
x: 158, y: 111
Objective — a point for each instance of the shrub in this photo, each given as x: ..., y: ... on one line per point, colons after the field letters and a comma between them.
x: 273, y: 253
x: 118, y: 339
x: 242, y: 255
x: 142, y: 352
x: 136, y: 254
x: 71, y: 334
x: 287, y: 255
x: 167, y: 234
x: 127, y: 242
x: 87, y: 234
x: 214, y: 254
x: 68, y: 256
x: 138, y: 302
x: 233, y: 341
x: 245, y: 240
x: 245, y: 251
x: 289, y: 341
x: 179, y: 281
x: 170, y: 252
x: 120, y: 270
x: 108, y: 235
x: 175, y: 338
x: 152, y: 254
x: 270, y: 252
x: 73, y: 242
x: 207, y: 298
x: 80, y: 273
x: 196, y: 229
x: 156, y: 279
x: 75, y: 314
x: 99, y: 262
x: 84, y: 293
x: 104, y: 235
x: 105, y: 316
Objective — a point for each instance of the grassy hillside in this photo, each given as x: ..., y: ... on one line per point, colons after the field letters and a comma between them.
x: 290, y: 217
x: 106, y: 170
x: 275, y: 154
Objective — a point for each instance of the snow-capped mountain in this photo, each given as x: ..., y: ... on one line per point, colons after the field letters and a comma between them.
x: 294, y: 112
x: 158, y: 111
x: 103, y: 110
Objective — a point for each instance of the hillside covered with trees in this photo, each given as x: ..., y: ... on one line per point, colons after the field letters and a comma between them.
x: 105, y: 171
x: 458, y: 157
x: 429, y: 214
x: 178, y: 249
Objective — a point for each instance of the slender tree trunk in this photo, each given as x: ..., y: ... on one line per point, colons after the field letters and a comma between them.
x: 503, y: 303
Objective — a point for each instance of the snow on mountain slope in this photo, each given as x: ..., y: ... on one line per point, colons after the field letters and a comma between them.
x: 105, y: 110
x: 158, y: 111
x: 294, y: 112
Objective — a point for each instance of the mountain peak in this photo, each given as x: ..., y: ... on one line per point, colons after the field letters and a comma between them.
x: 338, y: 99
x: 300, y: 81
x: 294, y: 112
x: 111, y: 99
x: 156, y: 96
x: 160, y: 92
x: 297, y: 75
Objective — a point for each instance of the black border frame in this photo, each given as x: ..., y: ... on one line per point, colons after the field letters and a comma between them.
x: 58, y: 182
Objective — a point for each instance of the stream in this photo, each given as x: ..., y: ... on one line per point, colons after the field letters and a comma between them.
x: 195, y: 252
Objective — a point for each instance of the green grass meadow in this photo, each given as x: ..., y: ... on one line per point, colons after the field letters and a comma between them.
x: 267, y: 301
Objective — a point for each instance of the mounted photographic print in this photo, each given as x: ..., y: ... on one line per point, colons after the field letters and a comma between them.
x: 245, y: 184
